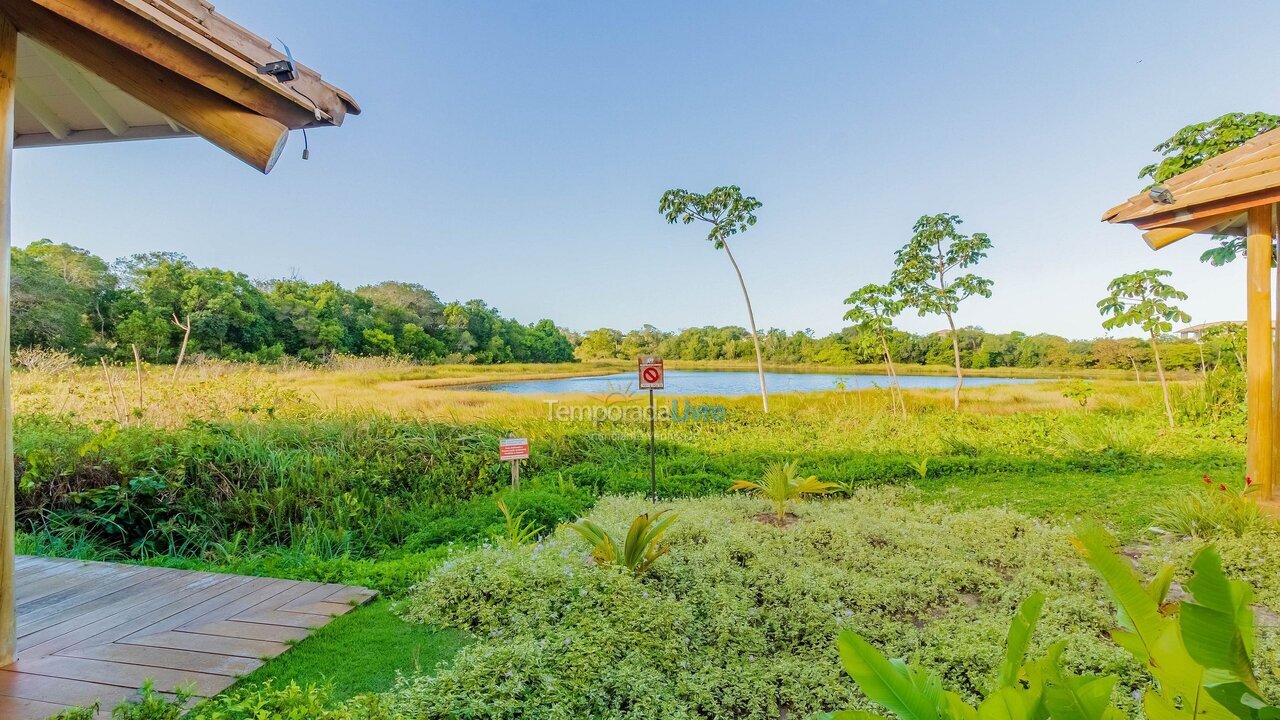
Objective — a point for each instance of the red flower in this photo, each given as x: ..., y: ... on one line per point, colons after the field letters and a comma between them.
x: 1206, y: 479
x: 1222, y: 487
x: 1248, y: 481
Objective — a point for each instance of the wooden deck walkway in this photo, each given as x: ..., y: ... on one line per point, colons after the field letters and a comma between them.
x: 93, y: 632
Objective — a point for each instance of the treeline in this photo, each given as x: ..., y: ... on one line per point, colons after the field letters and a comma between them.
x: 68, y: 299
x: 978, y: 349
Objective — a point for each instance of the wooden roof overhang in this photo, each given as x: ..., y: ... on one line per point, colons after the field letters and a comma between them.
x: 1212, y: 198
x: 110, y: 70
x: 1235, y: 193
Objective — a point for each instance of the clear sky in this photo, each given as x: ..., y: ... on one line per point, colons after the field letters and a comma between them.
x: 516, y: 151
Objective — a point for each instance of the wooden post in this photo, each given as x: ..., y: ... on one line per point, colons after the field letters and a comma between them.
x: 8, y: 84
x: 1268, y: 492
x: 1258, y: 330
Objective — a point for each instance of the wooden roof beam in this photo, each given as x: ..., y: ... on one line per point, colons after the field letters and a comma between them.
x: 43, y: 114
x: 255, y: 139
x: 226, y: 72
x: 1167, y: 235
x: 78, y: 83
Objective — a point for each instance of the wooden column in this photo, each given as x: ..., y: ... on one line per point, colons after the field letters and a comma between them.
x: 1258, y: 329
x: 8, y: 83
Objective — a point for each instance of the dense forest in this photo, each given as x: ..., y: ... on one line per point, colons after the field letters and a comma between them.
x: 65, y: 298
x: 978, y: 349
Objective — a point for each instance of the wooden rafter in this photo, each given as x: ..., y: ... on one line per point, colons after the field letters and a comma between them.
x: 78, y: 83
x: 43, y: 114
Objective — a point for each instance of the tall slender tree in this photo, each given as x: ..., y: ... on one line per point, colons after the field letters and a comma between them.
x: 925, y: 268
x: 728, y: 212
x: 872, y: 310
x: 1144, y: 299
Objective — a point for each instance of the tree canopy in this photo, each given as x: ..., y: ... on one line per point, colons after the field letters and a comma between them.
x: 66, y: 298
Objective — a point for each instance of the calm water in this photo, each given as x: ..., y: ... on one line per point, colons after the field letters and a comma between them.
x: 724, y: 383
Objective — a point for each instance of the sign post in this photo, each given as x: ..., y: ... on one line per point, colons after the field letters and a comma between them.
x: 652, y: 377
x: 514, y: 449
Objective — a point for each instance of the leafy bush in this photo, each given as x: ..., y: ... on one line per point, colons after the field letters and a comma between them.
x: 291, y: 702
x: 1212, y: 509
x: 1199, y: 651
x: 1200, y: 655
x: 738, y: 619
x: 261, y: 702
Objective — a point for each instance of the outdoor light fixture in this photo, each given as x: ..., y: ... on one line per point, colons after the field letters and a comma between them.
x: 282, y: 70
x: 1161, y: 194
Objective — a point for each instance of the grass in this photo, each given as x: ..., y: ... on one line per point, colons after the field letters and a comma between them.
x: 362, y: 652
x: 1127, y: 501
x: 381, y: 474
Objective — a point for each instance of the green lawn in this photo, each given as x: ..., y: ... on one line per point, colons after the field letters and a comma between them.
x: 361, y: 652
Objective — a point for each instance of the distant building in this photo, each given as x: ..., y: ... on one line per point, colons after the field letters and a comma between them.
x: 1195, y: 332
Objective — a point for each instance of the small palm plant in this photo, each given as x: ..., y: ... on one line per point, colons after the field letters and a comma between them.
x: 641, y: 548
x: 781, y: 485
x: 515, y: 531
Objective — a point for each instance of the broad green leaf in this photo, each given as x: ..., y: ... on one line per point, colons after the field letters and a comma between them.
x: 1157, y: 707
x: 1139, y: 613
x: 1239, y: 699
x: 908, y: 695
x: 1159, y: 586
x: 1217, y: 626
x: 1020, y: 629
x: 1079, y: 698
x: 1006, y: 704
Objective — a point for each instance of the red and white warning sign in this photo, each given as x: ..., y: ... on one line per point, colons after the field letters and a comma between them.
x: 513, y: 449
x: 651, y: 373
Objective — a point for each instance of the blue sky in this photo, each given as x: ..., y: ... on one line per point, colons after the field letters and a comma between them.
x: 516, y: 151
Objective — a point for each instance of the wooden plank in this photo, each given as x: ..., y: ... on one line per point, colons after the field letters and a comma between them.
x: 8, y: 88
x: 116, y: 626
x: 112, y: 621
x: 249, y: 631
x: 63, y: 601
x: 1258, y: 339
x: 282, y: 617
x: 239, y: 647
x: 66, y: 577
x: 228, y: 665
x: 174, y: 608
x: 77, y: 693
x: 123, y: 675
x: 22, y: 709
x: 352, y: 594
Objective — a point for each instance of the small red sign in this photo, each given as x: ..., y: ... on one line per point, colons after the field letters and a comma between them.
x: 513, y: 449
x: 652, y: 375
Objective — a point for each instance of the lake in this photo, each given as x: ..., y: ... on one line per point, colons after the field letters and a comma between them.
x: 733, y: 383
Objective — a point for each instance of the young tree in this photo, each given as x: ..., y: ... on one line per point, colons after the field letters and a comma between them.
x: 1194, y: 144
x: 924, y: 274
x: 728, y: 213
x: 872, y: 310
x: 1144, y: 299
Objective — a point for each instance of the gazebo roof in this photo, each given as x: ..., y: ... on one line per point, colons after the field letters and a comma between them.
x: 109, y: 70
x: 1211, y: 197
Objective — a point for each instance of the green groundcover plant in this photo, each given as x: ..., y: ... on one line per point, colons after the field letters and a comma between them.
x: 1198, y: 650
x: 737, y: 620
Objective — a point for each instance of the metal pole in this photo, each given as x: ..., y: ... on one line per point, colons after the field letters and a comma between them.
x: 653, y: 457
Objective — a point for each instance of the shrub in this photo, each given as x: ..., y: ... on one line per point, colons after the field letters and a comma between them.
x: 1212, y: 509
x: 738, y: 620
x: 291, y: 702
